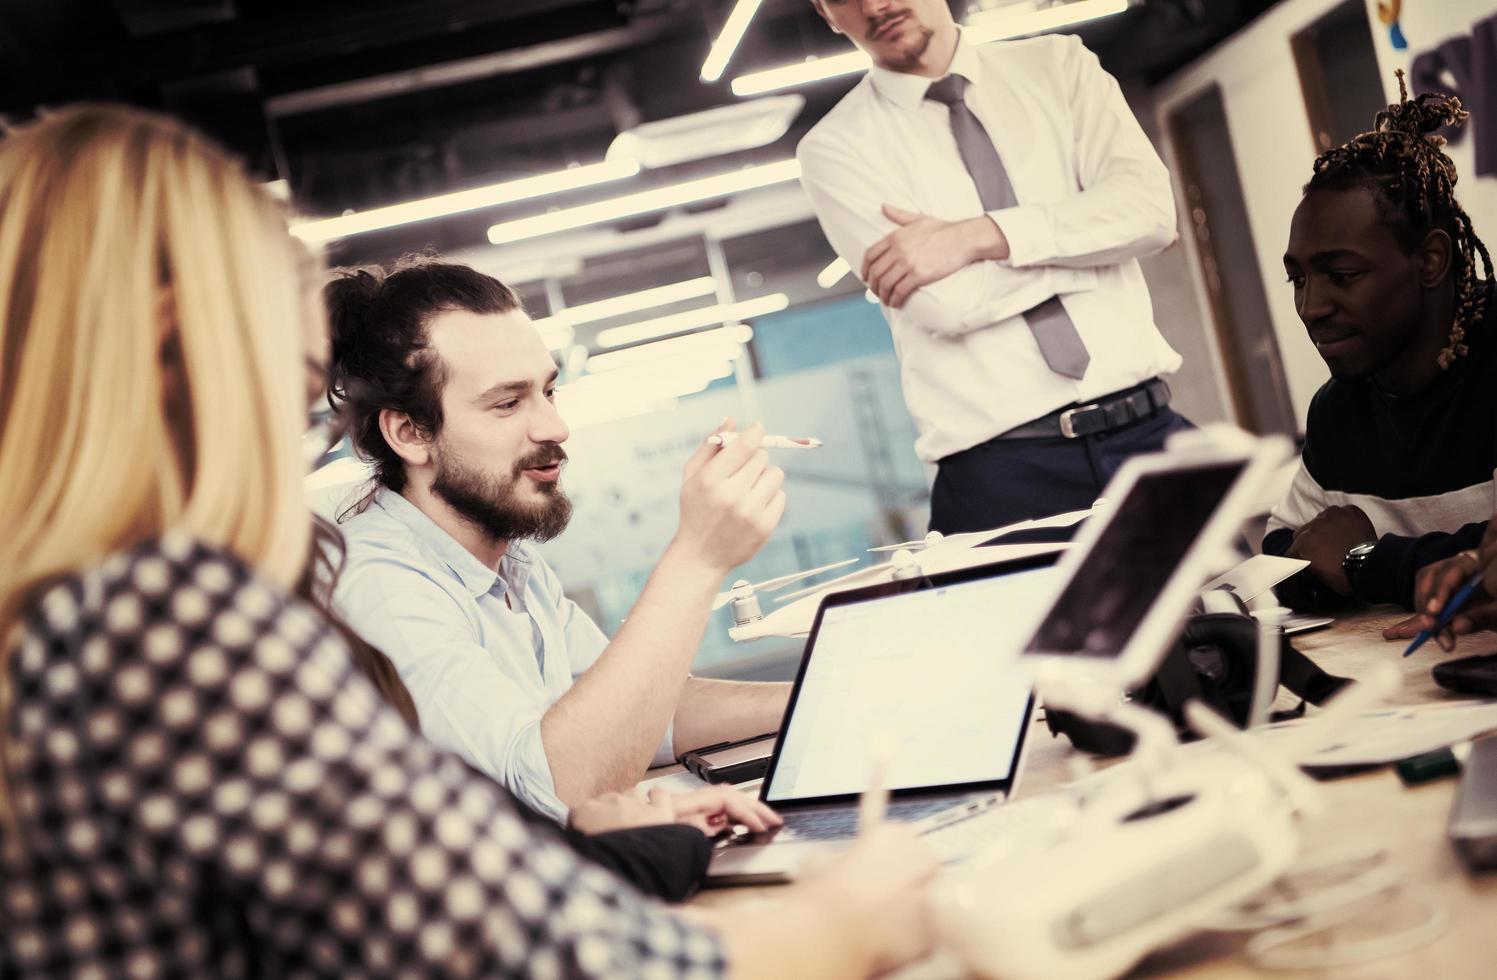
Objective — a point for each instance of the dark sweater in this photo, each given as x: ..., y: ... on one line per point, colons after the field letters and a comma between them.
x: 1419, y: 465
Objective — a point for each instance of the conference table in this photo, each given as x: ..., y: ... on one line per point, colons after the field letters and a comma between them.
x: 1371, y: 808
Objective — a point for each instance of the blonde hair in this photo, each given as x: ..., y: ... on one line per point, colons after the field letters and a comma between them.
x: 152, y: 304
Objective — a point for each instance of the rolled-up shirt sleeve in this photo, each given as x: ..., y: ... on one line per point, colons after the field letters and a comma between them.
x: 467, y: 705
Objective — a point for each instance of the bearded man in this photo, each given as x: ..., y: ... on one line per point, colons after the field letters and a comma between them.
x: 448, y: 391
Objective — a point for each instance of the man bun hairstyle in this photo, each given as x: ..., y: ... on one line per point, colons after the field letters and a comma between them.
x: 1400, y: 162
x: 382, y: 356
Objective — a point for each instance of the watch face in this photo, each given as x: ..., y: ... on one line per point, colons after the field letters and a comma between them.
x: 1361, y: 550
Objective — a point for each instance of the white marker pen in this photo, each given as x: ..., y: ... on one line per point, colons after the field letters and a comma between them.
x: 769, y: 442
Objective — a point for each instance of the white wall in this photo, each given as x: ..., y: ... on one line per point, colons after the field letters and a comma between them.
x: 1272, y: 140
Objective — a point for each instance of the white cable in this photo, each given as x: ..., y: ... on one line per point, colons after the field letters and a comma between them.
x: 1300, y: 915
x: 1267, y: 948
x: 1365, y: 873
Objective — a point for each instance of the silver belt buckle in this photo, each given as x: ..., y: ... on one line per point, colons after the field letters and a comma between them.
x: 1067, y: 423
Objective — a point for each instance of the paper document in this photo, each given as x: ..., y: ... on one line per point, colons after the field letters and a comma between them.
x: 1257, y: 575
x: 1386, y: 735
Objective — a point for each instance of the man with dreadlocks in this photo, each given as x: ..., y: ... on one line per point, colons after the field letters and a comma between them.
x: 1401, y: 443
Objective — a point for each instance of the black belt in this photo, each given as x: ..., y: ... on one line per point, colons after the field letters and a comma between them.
x: 1109, y: 412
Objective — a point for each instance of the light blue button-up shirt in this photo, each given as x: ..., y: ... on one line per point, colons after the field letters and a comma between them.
x: 484, y: 654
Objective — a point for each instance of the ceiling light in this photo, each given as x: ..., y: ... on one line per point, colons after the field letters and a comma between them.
x: 684, y: 374
x: 724, y: 129
x: 645, y: 299
x: 833, y: 274
x: 691, y: 320
x: 727, y: 41
x: 991, y: 26
x: 573, y: 178
x: 995, y: 25
x: 792, y: 76
x: 733, y: 337
x: 644, y: 202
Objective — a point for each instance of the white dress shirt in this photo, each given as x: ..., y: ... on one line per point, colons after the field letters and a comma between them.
x: 485, y: 654
x: 1093, y: 195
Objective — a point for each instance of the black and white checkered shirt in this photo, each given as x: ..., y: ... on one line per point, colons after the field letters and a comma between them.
x: 205, y: 785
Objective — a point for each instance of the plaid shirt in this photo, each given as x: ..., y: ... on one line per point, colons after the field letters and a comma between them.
x: 204, y: 785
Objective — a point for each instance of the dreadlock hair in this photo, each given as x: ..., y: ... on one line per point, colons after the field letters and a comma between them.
x: 1400, y: 162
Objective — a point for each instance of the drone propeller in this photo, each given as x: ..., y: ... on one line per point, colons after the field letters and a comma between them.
x: 861, y: 573
x: 968, y: 539
x: 769, y: 585
x: 929, y: 541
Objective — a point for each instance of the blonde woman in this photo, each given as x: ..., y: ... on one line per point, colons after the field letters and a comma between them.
x: 198, y: 780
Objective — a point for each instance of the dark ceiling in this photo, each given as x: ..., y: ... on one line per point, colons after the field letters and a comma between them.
x: 359, y: 104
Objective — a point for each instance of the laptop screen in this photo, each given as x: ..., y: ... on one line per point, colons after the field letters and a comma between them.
x: 1132, y: 560
x: 932, y: 674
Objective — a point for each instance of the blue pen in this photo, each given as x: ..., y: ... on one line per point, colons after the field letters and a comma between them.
x: 1448, y: 613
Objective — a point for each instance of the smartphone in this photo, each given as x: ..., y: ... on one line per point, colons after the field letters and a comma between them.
x: 731, y: 762
x: 1469, y: 675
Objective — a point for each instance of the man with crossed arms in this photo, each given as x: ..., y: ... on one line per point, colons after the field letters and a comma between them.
x: 997, y: 199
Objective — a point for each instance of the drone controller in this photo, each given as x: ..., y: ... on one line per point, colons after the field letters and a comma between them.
x: 1137, y: 869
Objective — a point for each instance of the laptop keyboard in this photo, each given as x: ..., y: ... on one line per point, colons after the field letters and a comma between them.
x: 842, y: 823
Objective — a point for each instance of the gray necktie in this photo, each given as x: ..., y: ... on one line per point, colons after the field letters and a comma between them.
x: 1052, y: 326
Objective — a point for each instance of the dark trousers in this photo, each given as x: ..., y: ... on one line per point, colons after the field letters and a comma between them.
x: 1004, y: 481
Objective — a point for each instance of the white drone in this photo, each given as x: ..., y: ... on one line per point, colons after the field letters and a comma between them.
x: 932, y: 554
x: 743, y: 594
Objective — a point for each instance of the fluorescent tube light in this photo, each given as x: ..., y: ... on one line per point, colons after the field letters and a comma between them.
x: 793, y: 76
x: 832, y: 274
x: 442, y: 205
x: 691, y: 320
x: 723, y: 338
x: 723, y: 129
x: 994, y: 26
x: 684, y: 374
x: 645, y: 299
x: 644, y: 202
x: 727, y: 41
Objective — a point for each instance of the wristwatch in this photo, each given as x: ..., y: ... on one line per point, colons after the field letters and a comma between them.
x: 1356, y: 557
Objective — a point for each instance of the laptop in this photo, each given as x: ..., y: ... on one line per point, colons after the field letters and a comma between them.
x: 1101, y: 619
x: 926, y: 666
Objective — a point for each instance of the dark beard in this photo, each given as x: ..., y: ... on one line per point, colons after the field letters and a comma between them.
x: 493, y: 506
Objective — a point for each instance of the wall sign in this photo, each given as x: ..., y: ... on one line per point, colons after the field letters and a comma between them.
x: 1471, y: 63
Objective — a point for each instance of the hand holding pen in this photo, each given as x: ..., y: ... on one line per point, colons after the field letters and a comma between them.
x: 1441, y: 624
x: 1453, y: 597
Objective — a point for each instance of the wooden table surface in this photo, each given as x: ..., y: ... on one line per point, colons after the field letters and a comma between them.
x: 1372, y: 808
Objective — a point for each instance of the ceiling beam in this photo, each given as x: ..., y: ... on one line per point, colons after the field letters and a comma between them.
x: 468, y: 69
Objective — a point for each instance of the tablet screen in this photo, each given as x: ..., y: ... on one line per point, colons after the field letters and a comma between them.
x: 1149, y: 534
